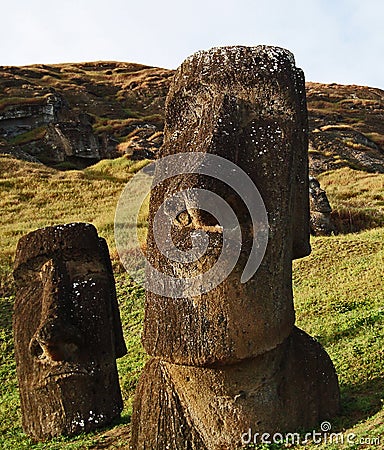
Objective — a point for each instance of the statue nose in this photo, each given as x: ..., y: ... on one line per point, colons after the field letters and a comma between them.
x: 56, y: 338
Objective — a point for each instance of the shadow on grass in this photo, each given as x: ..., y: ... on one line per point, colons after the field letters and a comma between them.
x: 117, y: 432
x: 353, y: 220
x: 6, y: 312
x: 359, y: 402
x: 356, y: 326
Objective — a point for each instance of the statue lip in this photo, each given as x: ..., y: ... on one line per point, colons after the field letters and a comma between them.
x: 67, y: 372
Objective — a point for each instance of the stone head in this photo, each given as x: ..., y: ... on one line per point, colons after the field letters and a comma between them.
x: 246, y: 105
x: 67, y: 331
x: 317, y: 197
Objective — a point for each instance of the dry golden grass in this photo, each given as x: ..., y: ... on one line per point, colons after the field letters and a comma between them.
x: 357, y: 198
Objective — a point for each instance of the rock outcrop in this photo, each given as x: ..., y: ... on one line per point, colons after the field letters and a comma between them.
x: 48, y: 129
x: 81, y: 113
x: 118, y: 108
x: 226, y: 356
x: 18, y: 119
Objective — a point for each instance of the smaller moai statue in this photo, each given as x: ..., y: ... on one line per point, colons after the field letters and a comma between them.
x: 320, y: 222
x: 229, y: 362
x: 67, y: 331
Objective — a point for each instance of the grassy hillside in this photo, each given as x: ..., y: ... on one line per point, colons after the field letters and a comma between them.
x: 123, y: 103
x: 338, y: 289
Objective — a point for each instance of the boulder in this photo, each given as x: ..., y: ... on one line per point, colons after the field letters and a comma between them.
x: 46, y: 127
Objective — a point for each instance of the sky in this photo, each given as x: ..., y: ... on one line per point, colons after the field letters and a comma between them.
x: 333, y: 41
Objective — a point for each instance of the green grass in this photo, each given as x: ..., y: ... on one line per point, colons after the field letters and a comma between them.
x: 339, y: 301
x: 34, y: 196
x: 338, y: 290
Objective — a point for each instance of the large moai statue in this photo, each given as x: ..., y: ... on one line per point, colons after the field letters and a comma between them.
x: 67, y: 331
x: 229, y: 360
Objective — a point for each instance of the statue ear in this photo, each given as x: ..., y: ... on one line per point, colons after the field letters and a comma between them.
x: 300, y: 219
x: 120, y: 347
x: 300, y: 214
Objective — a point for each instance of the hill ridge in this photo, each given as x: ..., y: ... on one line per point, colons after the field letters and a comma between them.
x: 74, y: 114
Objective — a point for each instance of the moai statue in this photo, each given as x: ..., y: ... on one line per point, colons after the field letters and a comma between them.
x: 67, y: 331
x: 228, y: 361
x: 320, y: 221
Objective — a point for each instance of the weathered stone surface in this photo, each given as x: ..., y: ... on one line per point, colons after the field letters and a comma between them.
x: 248, y: 106
x: 20, y: 118
x: 229, y: 360
x: 144, y: 143
x: 67, y: 331
x: 18, y: 154
x: 74, y: 139
x: 333, y: 146
x: 57, y: 132
x: 320, y: 209
x: 159, y: 419
x: 198, y: 408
